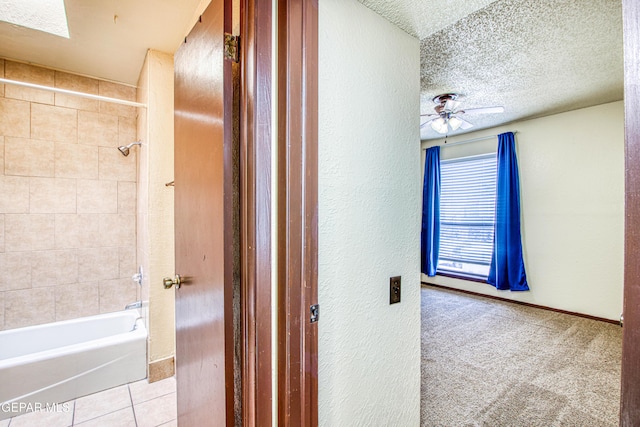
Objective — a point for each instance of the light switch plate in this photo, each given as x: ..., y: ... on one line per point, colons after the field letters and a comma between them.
x: 394, y: 290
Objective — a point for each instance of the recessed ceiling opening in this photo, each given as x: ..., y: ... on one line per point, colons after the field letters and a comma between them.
x: 48, y: 16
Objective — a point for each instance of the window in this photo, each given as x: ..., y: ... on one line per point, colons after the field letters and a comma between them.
x: 467, y: 215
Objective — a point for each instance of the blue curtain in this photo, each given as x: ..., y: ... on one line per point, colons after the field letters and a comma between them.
x: 430, y: 235
x: 507, y: 264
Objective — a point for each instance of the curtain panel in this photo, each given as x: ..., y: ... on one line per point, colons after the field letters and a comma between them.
x: 430, y: 235
x: 507, y: 264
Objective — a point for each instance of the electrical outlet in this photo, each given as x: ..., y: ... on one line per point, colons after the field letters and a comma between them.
x: 394, y: 290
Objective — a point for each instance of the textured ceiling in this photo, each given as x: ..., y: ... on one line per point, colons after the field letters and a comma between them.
x: 108, y: 38
x: 421, y: 18
x: 534, y: 57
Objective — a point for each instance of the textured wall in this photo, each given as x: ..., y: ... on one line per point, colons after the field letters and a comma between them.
x: 155, y: 207
x: 67, y: 198
x: 572, y: 192
x: 369, y: 204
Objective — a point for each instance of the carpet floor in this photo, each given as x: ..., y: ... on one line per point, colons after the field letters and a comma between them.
x: 494, y: 363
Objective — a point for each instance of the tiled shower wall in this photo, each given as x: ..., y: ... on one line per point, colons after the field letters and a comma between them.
x: 67, y: 198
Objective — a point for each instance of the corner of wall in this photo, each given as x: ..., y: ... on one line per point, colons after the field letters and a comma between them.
x: 155, y: 210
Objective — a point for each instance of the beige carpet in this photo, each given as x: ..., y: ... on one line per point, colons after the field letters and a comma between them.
x: 493, y: 363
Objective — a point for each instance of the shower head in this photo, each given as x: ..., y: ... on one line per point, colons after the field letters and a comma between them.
x: 124, y: 149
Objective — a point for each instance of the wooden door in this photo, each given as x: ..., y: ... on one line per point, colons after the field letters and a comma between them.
x: 630, y: 402
x: 203, y: 229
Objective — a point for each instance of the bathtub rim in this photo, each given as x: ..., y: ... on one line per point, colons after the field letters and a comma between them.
x: 138, y: 332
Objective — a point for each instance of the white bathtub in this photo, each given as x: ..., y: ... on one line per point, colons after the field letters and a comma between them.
x: 57, y: 362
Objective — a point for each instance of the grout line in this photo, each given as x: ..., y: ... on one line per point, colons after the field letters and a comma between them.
x: 73, y: 414
x: 156, y: 397
x: 100, y: 416
x: 133, y: 408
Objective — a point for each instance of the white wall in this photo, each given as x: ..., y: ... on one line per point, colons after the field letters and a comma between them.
x: 369, y: 223
x: 572, y: 203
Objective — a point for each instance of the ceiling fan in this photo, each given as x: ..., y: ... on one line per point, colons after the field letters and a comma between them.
x: 448, y: 112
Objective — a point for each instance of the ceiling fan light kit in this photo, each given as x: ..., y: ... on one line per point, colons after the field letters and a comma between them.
x: 447, y: 113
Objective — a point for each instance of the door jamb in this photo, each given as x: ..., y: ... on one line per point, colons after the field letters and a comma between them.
x: 630, y: 393
x: 256, y: 55
x: 297, y: 212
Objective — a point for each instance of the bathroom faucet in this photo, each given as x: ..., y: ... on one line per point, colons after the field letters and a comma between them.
x: 135, y: 324
x: 138, y: 276
x: 136, y: 304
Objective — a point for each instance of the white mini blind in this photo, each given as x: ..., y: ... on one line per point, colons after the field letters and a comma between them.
x: 467, y: 214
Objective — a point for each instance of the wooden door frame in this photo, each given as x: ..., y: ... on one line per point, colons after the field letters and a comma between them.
x: 630, y: 391
x: 256, y: 173
x: 297, y: 212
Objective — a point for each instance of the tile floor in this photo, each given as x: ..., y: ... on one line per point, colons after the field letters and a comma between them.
x: 138, y: 404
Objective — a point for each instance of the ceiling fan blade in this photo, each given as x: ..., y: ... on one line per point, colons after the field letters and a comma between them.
x: 451, y: 105
x: 465, y: 124
x: 434, y: 115
x: 483, y: 110
x: 429, y: 121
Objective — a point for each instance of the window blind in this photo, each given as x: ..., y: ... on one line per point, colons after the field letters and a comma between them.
x: 467, y: 214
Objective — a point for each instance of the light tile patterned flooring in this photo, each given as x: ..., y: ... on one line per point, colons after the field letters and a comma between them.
x: 138, y: 404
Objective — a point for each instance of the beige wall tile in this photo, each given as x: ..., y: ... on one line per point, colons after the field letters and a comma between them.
x: 56, y: 218
x: 142, y: 258
x: 52, y: 195
x: 76, y: 300
x: 1, y: 232
x: 52, y: 268
x: 115, y: 294
x: 97, y: 196
x: 77, y: 231
x: 76, y: 102
x: 28, y: 157
x: 79, y: 84
x: 126, y: 130
x: 114, y: 166
x: 29, y: 307
x: 1, y: 75
x: 97, y: 129
x: 118, y: 91
x: 1, y: 311
x: 128, y: 265
x: 98, y: 264
x: 14, y: 191
x: 118, y: 230
x: 126, y: 197
x: 16, y: 271
x: 15, y: 118
x: 2, y: 155
x: 29, y: 74
x: 76, y: 161
x: 29, y: 232
x: 54, y: 123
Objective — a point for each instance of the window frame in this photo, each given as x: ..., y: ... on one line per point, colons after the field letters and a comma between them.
x: 467, y: 275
